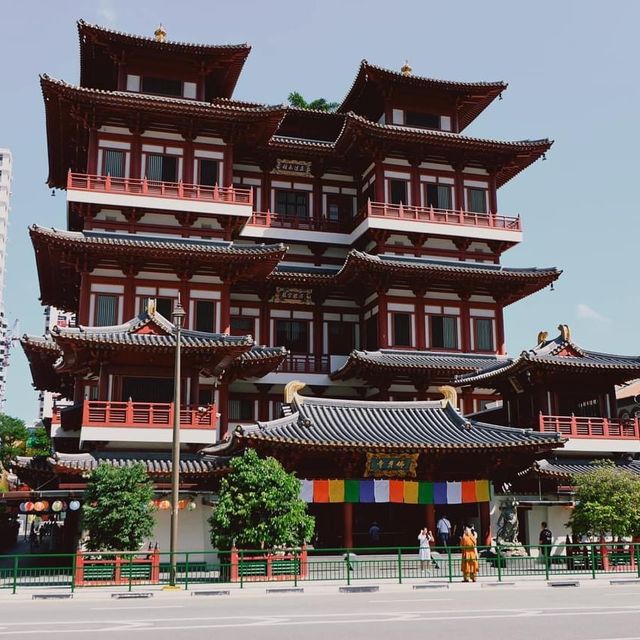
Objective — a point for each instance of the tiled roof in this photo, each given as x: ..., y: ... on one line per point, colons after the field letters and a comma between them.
x: 400, y: 360
x: 560, y: 354
x: 565, y: 469
x: 355, y: 424
x: 255, y: 363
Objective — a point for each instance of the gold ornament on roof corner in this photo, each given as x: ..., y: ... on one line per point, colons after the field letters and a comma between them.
x: 406, y: 69
x: 565, y: 332
x: 160, y: 33
x: 450, y: 396
x: 542, y: 336
x: 291, y: 389
x: 151, y: 306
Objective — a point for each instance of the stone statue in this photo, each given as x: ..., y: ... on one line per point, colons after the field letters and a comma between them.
x: 507, y: 534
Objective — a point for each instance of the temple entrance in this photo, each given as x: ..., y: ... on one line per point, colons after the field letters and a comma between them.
x: 147, y: 389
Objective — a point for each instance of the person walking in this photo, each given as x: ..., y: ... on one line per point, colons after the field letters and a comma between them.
x: 425, y: 538
x: 443, y: 527
x: 546, y: 541
x: 469, y: 562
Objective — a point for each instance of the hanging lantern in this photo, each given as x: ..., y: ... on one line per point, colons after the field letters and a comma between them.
x: 74, y: 505
x: 38, y: 506
x: 28, y: 506
x: 56, y: 506
x: 182, y: 504
x: 164, y: 505
x: 45, y: 505
x: 192, y: 506
x: 23, y: 507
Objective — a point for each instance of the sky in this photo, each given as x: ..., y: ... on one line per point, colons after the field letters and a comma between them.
x: 572, y: 73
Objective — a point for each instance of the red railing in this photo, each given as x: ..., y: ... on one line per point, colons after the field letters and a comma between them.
x: 284, y: 565
x: 157, y: 189
x: 305, y: 363
x: 439, y: 216
x: 305, y: 223
x: 97, y: 413
x: 55, y: 416
x: 580, y: 427
x: 117, y: 569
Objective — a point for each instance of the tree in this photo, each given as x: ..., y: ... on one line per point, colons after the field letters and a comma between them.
x: 13, y: 439
x: 607, y: 502
x: 321, y: 104
x: 259, y: 507
x: 116, y: 510
x: 39, y: 442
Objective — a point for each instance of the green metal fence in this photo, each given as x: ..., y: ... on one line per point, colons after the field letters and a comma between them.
x: 344, y: 566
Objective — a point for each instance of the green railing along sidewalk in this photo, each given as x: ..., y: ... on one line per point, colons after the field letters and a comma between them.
x: 346, y: 566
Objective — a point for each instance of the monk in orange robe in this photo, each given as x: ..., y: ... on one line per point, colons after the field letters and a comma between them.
x: 469, y: 563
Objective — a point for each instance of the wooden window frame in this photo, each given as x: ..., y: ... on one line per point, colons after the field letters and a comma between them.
x: 476, y: 346
x: 444, y: 315
x: 395, y: 344
x: 95, y: 308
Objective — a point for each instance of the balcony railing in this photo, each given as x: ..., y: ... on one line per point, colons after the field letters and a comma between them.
x: 145, y: 415
x: 305, y: 223
x: 158, y: 189
x: 439, y: 216
x: 305, y: 363
x: 581, y: 427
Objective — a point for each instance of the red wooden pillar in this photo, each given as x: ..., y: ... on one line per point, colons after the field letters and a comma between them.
x: 465, y: 324
x: 84, y: 302
x: 225, y: 308
x: 500, y: 347
x: 188, y: 160
x: 420, y: 340
x: 383, y: 320
x: 129, y: 308
x: 264, y: 337
x: 493, y: 195
x: 265, y: 205
x: 347, y: 525
x: 458, y: 188
x: 415, y: 184
x: 379, y: 182
x: 92, y: 152
x: 318, y: 331
x: 430, y: 516
x: 317, y: 200
x: 228, y: 165
x: 223, y: 408
x: 485, y: 524
x: 136, y: 170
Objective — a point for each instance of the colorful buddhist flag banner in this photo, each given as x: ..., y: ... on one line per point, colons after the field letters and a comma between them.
x: 398, y: 491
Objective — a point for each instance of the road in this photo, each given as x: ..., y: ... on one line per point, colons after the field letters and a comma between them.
x: 601, y: 612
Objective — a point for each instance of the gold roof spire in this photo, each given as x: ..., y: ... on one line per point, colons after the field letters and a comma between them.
x: 160, y: 33
x: 406, y: 68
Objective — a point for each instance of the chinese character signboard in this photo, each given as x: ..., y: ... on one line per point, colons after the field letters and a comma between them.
x: 391, y: 465
x: 292, y: 296
x: 293, y: 167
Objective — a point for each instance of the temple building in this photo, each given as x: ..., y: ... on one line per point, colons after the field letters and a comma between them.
x: 356, y: 252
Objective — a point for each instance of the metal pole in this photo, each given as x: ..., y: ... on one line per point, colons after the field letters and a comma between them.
x: 178, y: 317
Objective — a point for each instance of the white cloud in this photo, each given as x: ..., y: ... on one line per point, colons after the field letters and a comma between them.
x: 586, y: 312
x: 107, y: 12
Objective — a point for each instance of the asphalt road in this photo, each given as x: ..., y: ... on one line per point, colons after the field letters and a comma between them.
x: 601, y: 612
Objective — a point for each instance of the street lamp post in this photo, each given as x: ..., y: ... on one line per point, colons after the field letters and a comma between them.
x: 177, y: 316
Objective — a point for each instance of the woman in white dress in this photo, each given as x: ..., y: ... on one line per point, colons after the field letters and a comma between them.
x: 425, y: 538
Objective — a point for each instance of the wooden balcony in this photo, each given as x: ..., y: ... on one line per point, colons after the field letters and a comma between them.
x: 180, y: 191
x: 439, y: 216
x: 580, y: 427
x: 145, y: 415
x: 280, y: 221
x: 305, y: 363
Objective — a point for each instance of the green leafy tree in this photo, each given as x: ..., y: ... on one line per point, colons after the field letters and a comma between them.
x: 321, y: 104
x: 39, y: 442
x: 116, y: 511
x: 259, y: 507
x: 607, y: 502
x: 13, y: 439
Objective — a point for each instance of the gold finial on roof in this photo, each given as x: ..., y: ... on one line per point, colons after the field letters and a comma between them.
x: 542, y: 336
x: 565, y: 332
x: 151, y: 306
x: 160, y: 33
x: 290, y: 390
x: 406, y: 69
x: 450, y: 396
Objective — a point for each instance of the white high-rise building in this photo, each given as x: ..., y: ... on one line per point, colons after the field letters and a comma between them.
x: 6, y: 171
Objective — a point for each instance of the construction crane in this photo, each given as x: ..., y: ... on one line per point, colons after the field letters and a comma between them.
x: 10, y: 336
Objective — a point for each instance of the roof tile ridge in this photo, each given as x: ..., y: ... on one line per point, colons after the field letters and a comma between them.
x: 369, y: 404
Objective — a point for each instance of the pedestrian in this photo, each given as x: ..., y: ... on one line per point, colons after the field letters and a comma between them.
x: 469, y: 562
x: 545, y: 540
x: 443, y: 527
x: 374, y: 532
x: 425, y: 538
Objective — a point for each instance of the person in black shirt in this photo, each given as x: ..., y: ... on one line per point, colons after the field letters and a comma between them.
x: 545, y: 540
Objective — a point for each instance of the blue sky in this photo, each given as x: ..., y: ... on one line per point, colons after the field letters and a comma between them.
x: 572, y: 73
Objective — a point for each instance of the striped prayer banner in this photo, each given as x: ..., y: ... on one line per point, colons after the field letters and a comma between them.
x: 381, y: 490
x: 410, y: 492
x: 425, y: 492
x: 367, y: 491
x: 454, y: 493
x: 482, y: 491
x: 396, y: 491
x: 321, y: 491
x: 352, y: 490
x: 469, y: 491
x: 440, y: 493
x: 306, y: 490
x: 336, y: 490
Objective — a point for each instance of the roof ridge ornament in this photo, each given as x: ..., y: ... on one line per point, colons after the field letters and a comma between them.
x: 291, y: 391
x: 406, y: 69
x: 565, y: 332
x: 450, y: 396
x: 151, y: 306
x: 542, y: 336
x: 160, y: 33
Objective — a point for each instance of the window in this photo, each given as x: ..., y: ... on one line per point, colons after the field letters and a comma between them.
x: 439, y: 196
x: 371, y: 332
x: 241, y: 326
x: 426, y: 120
x: 162, y: 86
x: 341, y: 337
x: 208, y: 172
x: 294, y: 204
x: 205, y: 316
x: 162, y: 168
x: 477, y: 200
x: 106, y: 310
x: 293, y: 334
x: 206, y: 395
x: 113, y: 163
x: 401, y: 329
x: 398, y: 191
x: 339, y: 207
x: 241, y: 410
x: 164, y: 306
x: 444, y: 332
x: 484, y: 334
